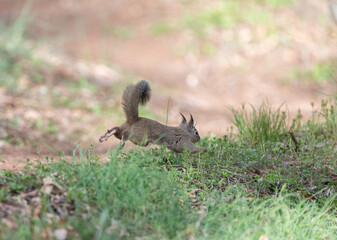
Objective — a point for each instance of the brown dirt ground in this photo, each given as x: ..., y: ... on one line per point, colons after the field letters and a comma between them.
x: 248, y: 66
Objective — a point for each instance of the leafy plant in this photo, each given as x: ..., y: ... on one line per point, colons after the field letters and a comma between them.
x: 17, y: 63
x: 276, y: 3
x: 320, y: 72
x: 262, y: 124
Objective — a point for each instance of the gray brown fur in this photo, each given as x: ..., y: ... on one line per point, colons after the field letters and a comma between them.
x: 133, y: 96
x: 142, y: 131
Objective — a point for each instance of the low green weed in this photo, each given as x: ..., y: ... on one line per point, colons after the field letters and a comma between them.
x: 16, y: 59
x: 260, y: 125
x: 234, y: 216
x: 134, y: 196
x: 15, y: 183
x: 276, y: 3
x: 322, y: 72
x: 162, y: 28
x: 226, y: 14
x: 123, y: 32
x: 240, y: 190
x: 321, y: 129
x: 83, y: 83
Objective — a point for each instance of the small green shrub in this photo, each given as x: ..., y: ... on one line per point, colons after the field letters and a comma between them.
x: 276, y: 3
x: 226, y: 15
x: 321, y: 72
x: 235, y: 216
x: 323, y: 122
x: 260, y: 125
x: 17, y: 63
x: 162, y: 28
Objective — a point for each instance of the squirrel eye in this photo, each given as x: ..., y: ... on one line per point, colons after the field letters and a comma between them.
x: 196, y: 133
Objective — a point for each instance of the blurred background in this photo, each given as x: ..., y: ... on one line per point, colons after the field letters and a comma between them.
x: 64, y: 65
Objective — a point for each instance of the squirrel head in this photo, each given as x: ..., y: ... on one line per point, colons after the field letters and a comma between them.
x: 189, y: 127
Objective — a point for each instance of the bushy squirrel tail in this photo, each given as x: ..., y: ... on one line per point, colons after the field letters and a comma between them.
x: 134, y: 95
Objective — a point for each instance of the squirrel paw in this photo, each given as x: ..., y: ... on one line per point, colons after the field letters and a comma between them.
x: 108, y: 134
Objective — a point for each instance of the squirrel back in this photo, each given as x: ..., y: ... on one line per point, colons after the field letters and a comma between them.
x: 134, y: 95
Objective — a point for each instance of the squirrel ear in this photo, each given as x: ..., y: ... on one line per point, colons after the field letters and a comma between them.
x: 184, y: 119
x: 191, y: 120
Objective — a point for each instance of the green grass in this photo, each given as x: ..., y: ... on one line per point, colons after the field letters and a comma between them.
x: 226, y: 14
x: 206, y: 23
x: 18, y: 66
x: 132, y: 196
x: 223, y: 14
x: 161, y: 28
x: 123, y: 32
x: 321, y: 72
x: 275, y: 218
x: 258, y: 185
x: 260, y: 125
x: 276, y: 3
x: 323, y: 124
x: 237, y: 190
x: 83, y: 83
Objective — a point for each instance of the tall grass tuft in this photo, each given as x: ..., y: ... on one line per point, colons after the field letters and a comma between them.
x: 15, y: 52
x: 261, y: 124
x: 127, y: 200
x: 137, y: 195
x: 323, y: 122
x: 285, y: 217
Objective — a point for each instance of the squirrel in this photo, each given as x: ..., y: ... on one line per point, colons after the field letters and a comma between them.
x: 142, y: 131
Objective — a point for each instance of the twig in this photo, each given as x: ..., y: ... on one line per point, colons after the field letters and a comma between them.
x: 108, y: 134
x: 202, y: 215
x: 251, y: 231
x: 167, y: 109
x: 333, y: 10
x: 292, y: 135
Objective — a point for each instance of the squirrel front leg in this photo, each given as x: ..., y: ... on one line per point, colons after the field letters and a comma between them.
x: 195, y: 149
x: 122, y: 142
x: 203, y: 149
x: 123, y: 135
x: 185, y: 143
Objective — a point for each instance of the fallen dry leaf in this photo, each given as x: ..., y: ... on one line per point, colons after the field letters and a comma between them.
x: 49, y: 185
x: 194, y: 192
x: 46, y: 233
x: 263, y: 237
x: 113, y: 226
x: 9, y: 223
x: 60, y: 234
